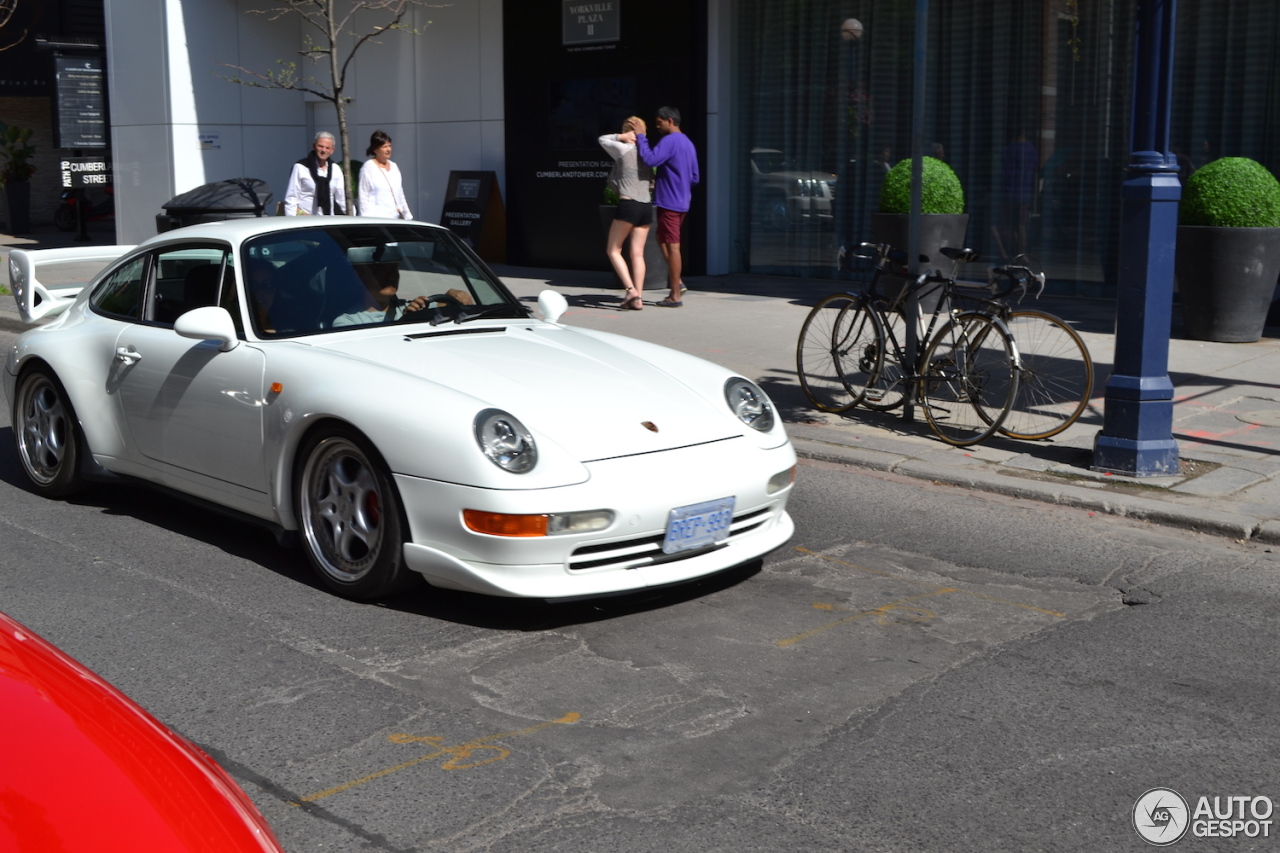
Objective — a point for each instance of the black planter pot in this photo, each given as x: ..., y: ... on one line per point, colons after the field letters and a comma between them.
x: 17, y: 196
x: 1226, y: 278
x: 937, y: 231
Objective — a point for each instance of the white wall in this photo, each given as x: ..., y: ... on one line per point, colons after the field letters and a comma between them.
x: 439, y: 95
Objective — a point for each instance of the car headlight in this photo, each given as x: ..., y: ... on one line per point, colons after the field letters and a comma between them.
x: 505, y: 441
x: 749, y: 403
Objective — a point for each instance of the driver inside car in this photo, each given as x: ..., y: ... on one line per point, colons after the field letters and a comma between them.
x: 381, y: 284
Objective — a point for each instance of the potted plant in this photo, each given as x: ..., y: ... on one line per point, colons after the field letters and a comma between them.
x: 1228, y: 252
x: 15, y: 175
x: 943, y: 221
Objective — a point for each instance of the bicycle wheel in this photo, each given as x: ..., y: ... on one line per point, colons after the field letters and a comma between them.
x: 1056, y: 378
x: 889, y: 388
x: 969, y: 379
x: 838, y: 352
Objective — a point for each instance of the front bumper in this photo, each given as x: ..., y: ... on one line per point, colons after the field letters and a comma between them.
x: 640, y: 490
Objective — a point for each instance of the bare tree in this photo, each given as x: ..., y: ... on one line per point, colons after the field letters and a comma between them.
x: 326, y: 24
x: 7, y: 8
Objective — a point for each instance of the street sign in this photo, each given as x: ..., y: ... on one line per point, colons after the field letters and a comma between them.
x: 80, y: 172
x: 80, y: 98
x: 473, y: 210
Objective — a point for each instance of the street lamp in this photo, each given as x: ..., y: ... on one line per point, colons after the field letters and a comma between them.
x: 851, y: 31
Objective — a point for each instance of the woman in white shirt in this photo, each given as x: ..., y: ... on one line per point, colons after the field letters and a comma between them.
x: 315, y: 185
x: 381, y: 191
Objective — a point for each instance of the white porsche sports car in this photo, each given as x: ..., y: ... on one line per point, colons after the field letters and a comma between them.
x: 371, y: 388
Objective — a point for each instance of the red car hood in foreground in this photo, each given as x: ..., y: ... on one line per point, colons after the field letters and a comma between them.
x: 84, y: 768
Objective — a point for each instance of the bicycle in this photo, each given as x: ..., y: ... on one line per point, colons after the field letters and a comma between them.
x: 965, y: 376
x: 1056, y: 372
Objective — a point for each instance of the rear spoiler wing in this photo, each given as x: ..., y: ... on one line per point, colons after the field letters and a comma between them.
x: 46, y: 281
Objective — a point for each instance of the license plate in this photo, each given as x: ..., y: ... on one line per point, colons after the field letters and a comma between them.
x: 698, y: 525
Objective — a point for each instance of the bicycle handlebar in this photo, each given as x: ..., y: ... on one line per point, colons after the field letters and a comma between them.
x: 1020, y: 278
x: 881, y: 254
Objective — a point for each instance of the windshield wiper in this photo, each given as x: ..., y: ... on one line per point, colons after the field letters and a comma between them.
x: 506, y: 309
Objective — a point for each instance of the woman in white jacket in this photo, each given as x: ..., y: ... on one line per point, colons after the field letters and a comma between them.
x: 315, y: 184
x: 381, y: 190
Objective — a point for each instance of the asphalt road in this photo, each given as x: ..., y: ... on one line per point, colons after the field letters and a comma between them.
x: 921, y: 668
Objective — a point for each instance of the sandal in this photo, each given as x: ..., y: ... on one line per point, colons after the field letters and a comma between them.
x: 633, y: 303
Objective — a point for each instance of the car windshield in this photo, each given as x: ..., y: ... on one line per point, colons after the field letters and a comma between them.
x: 340, y: 276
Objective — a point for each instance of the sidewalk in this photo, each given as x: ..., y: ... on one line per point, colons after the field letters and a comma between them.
x: 1226, y: 408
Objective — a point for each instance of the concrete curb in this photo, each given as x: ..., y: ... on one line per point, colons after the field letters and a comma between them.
x: 1200, y: 519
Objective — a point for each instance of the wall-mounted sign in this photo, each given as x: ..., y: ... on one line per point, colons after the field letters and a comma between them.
x: 210, y: 141
x: 587, y: 22
x: 80, y: 172
x: 80, y: 92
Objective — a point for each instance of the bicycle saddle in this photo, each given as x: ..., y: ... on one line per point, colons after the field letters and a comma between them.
x: 962, y: 255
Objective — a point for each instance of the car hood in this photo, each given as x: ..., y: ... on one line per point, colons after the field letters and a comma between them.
x: 798, y: 175
x: 530, y: 371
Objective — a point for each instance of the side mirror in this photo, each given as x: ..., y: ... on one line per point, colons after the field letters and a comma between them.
x: 210, y: 323
x: 552, y: 305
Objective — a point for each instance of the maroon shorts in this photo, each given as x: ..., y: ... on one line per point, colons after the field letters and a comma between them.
x: 669, y: 223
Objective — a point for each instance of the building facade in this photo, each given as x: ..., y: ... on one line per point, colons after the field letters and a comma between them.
x: 797, y: 107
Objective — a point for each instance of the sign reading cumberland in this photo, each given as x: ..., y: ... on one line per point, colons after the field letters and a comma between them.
x: 588, y: 22
x: 80, y: 172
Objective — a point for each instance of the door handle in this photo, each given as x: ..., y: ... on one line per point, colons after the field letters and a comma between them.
x: 128, y: 355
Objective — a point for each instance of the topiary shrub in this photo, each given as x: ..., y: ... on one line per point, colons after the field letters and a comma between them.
x: 1233, y: 192
x: 940, y: 190
x: 15, y: 154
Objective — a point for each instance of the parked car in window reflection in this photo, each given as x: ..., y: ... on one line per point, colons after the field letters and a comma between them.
x: 784, y: 196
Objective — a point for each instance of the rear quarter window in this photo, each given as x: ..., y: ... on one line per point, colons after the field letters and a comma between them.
x: 120, y: 293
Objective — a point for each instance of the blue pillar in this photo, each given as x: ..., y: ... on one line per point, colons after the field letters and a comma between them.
x: 1137, y: 429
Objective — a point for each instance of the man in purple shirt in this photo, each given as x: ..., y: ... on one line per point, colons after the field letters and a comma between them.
x: 678, y: 160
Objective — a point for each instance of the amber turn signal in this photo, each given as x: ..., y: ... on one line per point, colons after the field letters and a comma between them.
x: 505, y: 524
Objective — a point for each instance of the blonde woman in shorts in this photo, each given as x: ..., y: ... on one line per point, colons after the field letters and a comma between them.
x: 630, y: 179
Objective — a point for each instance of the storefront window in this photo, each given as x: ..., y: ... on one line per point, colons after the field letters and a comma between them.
x: 829, y: 100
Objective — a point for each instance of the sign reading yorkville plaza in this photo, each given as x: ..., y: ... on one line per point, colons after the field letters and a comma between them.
x: 592, y: 23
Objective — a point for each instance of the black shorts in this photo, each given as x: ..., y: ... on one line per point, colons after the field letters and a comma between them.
x: 635, y: 212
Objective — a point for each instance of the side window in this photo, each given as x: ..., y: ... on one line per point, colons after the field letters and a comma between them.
x: 120, y: 294
x: 186, y: 278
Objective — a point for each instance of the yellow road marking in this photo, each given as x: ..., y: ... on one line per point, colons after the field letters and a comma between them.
x: 456, y: 754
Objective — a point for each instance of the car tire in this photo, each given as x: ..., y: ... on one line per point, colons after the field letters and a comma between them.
x: 352, y: 520
x: 65, y: 217
x: 47, y: 434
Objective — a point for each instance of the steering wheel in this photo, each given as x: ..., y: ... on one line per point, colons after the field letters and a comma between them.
x: 444, y: 297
